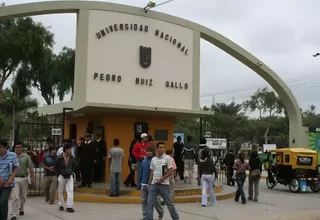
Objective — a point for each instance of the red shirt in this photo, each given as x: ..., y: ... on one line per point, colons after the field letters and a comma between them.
x: 139, y: 150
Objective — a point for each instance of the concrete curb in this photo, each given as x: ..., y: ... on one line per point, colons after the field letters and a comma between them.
x: 187, y: 196
x: 178, y: 192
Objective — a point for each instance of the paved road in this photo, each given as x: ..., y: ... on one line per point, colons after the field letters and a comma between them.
x: 278, y: 203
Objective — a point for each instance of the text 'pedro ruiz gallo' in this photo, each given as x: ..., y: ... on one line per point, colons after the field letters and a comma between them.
x: 142, y: 28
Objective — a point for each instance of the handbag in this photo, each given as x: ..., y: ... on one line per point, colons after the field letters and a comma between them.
x: 255, y: 173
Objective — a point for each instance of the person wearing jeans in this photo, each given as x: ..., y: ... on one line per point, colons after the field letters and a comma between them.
x: 144, y: 186
x: 50, y: 176
x: 207, y: 173
x: 139, y: 152
x: 161, y: 170
x: 254, y: 176
x: 9, y: 166
x: 115, y: 156
x: 65, y: 167
x: 241, y: 166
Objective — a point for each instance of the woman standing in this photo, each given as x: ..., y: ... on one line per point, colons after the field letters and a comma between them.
x: 132, y: 166
x: 254, y: 176
x: 207, y: 172
x: 241, y: 166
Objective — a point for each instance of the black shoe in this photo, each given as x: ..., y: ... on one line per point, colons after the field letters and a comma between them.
x: 90, y: 186
x: 204, y: 206
x: 21, y: 213
x: 81, y: 186
x: 244, y: 202
x: 47, y: 200
x: 70, y: 210
x: 112, y: 195
x: 236, y: 200
x: 138, y: 188
x: 250, y: 199
x: 13, y: 218
x: 133, y: 185
x: 61, y: 208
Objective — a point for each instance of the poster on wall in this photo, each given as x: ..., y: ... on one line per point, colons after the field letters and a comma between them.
x: 217, y: 143
x: 176, y: 135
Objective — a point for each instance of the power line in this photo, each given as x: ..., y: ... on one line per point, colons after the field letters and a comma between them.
x: 300, y: 87
x: 289, y: 81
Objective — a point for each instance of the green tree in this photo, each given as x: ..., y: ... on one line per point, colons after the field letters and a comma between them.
x: 65, y: 73
x: 41, y: 74
x: 21, y: 40
x: 268, y: 104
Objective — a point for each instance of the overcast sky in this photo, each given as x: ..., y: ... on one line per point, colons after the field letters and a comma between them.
x: 283, y: 34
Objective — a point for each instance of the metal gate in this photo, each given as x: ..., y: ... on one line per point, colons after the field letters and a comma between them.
x: 220, y: 148
x: 34, y: 134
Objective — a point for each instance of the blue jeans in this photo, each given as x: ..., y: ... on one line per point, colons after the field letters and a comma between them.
x: 139, y: 170
x: 115, y: 183
x: 241, y: 178
x: 4, y: 199
x: 208, y: 182
x: 144, y: 197
x: 164, y: 191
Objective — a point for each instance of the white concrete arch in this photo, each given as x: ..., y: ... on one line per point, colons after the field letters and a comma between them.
x: 82, y: 8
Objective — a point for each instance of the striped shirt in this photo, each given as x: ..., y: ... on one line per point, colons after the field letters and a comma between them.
x: 241, y: 167
x: 8, y: 163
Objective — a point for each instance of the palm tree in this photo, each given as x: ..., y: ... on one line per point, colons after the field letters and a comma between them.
x: 17, y: 98
x: 231, y: 109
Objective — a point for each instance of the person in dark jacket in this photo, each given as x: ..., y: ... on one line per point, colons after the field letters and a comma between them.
x: 202, y: 146
x: 254, y: 176
x: 88, y: 157
x: 99, y: 167
x: 229, y: 162
x: 177, y: 150
x: 132, y: 163
x: 208, y: 174
x: 188, y: 155
x: 65, y: 168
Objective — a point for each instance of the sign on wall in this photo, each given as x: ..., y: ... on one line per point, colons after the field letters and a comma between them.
x: 217, y: 143
x: 133, y: 60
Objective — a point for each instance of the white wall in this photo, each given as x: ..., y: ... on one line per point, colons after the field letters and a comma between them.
x: 118, y: 53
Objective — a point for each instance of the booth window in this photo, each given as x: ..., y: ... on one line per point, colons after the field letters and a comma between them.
x: 140, y: 127
x: 287, y: 158
x: 161, y: 135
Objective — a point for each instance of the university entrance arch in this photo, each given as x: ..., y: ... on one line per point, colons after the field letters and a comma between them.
x: 90, y: 28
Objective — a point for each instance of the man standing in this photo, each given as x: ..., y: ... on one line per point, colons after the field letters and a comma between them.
x: 177, y: 147
x: 9, y: 166
x: 189, y: 155
x: 139, y: 152
x: 20, y: 191
x: 115, y: 167
x: 161, y: 170
x: 88, y: 155
x: 99, y: 167
x: 50, y: 176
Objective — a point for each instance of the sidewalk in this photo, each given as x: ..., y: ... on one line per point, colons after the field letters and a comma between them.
x: 36, y: 209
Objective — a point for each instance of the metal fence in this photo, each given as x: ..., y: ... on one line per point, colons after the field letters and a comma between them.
x: 33, y: 133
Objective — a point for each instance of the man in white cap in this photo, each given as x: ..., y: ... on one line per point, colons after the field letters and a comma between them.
x: 139, y: 152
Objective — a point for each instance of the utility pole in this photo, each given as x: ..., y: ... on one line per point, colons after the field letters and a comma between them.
x: 233, y: 99
x: 213, y: 101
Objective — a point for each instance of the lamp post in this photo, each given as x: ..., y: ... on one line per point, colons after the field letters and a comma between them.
x: 152, y: 4
x: 64, y: 117
x: 13, y: 120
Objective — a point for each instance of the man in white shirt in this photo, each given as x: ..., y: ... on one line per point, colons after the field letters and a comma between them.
x: 60, y: 150
x: 161, y: 170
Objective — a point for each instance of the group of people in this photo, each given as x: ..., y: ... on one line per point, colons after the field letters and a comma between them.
x: 156, y: 167
x: 62, y: 167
